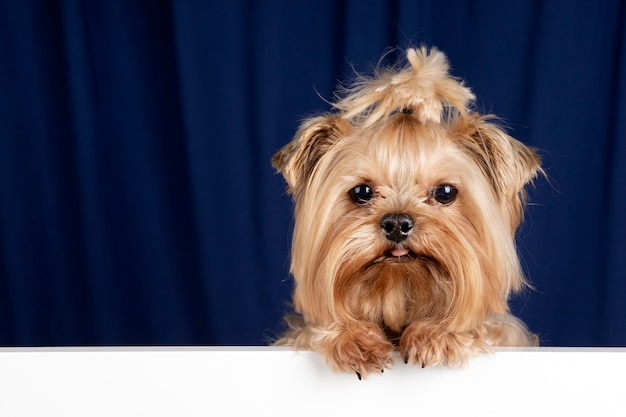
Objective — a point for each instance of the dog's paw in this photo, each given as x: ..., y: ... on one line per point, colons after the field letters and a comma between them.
x: 427, y: 344
x: 360, y: 348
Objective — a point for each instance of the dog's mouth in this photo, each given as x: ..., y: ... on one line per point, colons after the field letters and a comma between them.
x: 398, y: 255
x: 401, y: 255
x: 399, y: 252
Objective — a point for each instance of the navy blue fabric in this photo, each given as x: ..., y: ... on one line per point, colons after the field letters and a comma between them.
x: 137, y: 200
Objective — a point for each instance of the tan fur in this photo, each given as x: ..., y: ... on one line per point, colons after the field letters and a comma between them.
x: 405, y: 132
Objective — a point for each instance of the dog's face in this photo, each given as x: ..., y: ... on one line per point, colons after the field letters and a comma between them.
x: 407, y: 213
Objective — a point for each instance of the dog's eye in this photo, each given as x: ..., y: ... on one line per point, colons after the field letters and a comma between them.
x: 361, y: 194
x: 444, y: 194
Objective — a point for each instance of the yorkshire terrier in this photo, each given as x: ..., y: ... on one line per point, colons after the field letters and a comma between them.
x: 407, y: 203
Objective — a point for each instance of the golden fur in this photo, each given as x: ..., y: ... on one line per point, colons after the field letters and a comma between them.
x: 442, y: 295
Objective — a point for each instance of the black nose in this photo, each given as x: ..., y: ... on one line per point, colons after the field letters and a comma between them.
x: 397, y: 226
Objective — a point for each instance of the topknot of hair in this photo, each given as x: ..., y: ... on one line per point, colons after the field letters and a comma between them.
x: 422, y: 87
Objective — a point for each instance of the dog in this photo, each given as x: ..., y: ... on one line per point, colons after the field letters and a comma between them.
x: 407, y: 203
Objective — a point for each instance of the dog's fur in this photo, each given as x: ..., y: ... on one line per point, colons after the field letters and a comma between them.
x: 434, y: 280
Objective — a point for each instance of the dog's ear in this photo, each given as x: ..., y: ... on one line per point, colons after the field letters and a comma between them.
x: 315, y: 136
x: 508, y: 163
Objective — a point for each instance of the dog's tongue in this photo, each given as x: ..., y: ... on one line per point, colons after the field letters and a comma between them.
x: 399, y: 252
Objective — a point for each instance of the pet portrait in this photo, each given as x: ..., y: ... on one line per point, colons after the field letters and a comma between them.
x: 406, y: 205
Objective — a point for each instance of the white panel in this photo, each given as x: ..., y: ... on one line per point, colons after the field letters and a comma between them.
x: 278, y: 382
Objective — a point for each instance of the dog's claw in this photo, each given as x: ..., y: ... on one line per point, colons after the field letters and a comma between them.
x: 406, y: 358
x: 358, y: 375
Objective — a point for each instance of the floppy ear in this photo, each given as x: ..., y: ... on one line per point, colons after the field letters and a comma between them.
x: 508, y: 163
x: 298, y: 158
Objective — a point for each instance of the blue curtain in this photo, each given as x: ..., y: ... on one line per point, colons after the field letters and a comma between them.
x: 137, y: 200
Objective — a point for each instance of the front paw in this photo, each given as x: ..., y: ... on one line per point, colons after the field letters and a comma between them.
x: 359, y: 348
x: 428, y: 344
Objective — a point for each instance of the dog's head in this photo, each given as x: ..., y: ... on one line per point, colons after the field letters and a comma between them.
x: 406, y: 202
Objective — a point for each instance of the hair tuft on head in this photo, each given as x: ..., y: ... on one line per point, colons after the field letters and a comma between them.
x: 423, y: 87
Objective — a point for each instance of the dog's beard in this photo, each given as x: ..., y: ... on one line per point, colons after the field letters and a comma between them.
x: 393, y: 291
